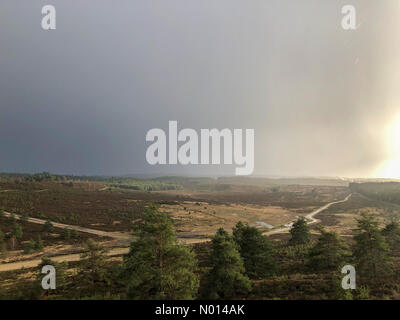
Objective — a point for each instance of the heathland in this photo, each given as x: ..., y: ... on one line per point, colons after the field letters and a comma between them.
x: 99, y: 232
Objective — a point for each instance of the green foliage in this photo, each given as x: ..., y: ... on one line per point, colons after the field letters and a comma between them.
x: 61, y: 277
x: 329, y: 253
x: 74, y: 234
x: 256, y: 251
x: 362, y: 293
x: 48, y: 227
x: 17, y: 231
x: 381, y: 191
x: 66, y: 234
x: 23, y: 218
x: 33, y: 245
x: 300, y: 232
x: 391, y: 232
x: 16, y: 234
x: 371, y: 252
x: 227, y: 278
x: 348, y: 295
x: 2, y: 243
x: 29, y: 247
x: 157, y: 267
x: 93, y: 266
x: 138, y: 184
x: 39, y: 244
x: 12, y: 218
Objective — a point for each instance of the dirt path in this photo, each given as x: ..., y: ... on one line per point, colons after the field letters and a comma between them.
x: 113, y: 235
x: 309, y: 217
x: 68, y: 257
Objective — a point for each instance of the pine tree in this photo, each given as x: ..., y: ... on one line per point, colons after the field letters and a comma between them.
x: 329, y: 253
x: 66, y: 234
x: 93, y: 265
x: 48, y: 227
x: 2, y: 243
x: 16, y: 234
x: 12, y: 218
x: 227, y: 278
x: 371, y: 252
x: 23, y: 218
x: 30, y: 246
x: 391, y: 232
x: 74, y: 234
x: 39, y: 244
x: 300, y: 232
x: 61, y: 276
x: 256, y: 251
x: 157, y: 267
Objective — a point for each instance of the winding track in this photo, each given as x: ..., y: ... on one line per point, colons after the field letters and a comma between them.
x: 113, y: 235
x: 62, y: 258
x: 309, y: 217
x: 119, y: 251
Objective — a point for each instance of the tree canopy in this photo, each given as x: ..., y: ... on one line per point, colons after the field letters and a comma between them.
x: 370, y: 251
x: 300, y: 232
x: 226, y: 278
x: 256, y: 251
x: 157, y: 267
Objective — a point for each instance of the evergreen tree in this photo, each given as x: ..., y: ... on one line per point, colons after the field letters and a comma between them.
x: 157, y: 267
x: 16, y: 234
x: 2, y: 243
x: 391, y: 232
x: 23, y: 218
x: 227, y: 278
x: 39, y: 244
x: 93, y: 265
x: 30, y: 246
x: 371, y: 252
x: 74, y: 234
x: 300, y: 232
x: 61, y: 277
x: 66, y: 234
x: 329, y: 253
x: 48, y: 227
x: 256, y: 251
x: 12, y: 218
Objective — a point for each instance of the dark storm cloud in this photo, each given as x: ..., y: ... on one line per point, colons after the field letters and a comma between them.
x: 80, y: 99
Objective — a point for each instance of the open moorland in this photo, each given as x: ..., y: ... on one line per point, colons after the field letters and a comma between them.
x: 58, y: 214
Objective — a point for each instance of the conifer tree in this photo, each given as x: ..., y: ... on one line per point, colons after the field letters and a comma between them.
x: 391, y: 232
x: 227, y: 278
x: 256, y: 251
x: 370, y: 251
x: 300, y: 232
x: 329, y: 253
x: 157, y: 267
x: 93, y: 266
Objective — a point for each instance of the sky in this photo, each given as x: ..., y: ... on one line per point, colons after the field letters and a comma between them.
x: 80, y: 99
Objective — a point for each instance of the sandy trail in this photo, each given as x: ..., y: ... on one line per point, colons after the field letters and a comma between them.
x: 113, y: 235
x: 309, y: 217
x: 68, y: 257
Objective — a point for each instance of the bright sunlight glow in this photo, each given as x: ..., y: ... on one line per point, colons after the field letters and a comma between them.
x: 391, y: 167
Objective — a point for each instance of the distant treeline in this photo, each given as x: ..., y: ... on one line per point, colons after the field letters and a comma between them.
x: 334, y: 182
x: 116, y: 182
x: 127, y: 182
x: 382, y: 191
x: 147, y: 185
